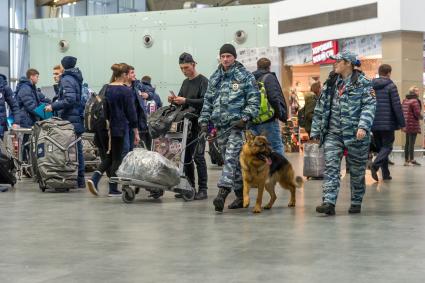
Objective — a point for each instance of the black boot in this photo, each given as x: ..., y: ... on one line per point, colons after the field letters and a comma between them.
x: 238, y: 202
x: 326, y: 208
x: 355, y: 208
x: 220, y: 199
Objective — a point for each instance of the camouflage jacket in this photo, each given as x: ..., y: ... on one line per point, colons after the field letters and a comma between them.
x: 357, y: 108
x: 231, y: 96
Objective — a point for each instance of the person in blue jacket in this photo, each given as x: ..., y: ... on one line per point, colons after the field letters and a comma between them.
x: 67, y: 105
x: 146, y: 80
x: 6, y: 96
x: 29, y: 98
x: 120, y: 113
x: 141, y: 93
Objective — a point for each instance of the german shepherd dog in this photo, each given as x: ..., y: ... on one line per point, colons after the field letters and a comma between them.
x: 263, y: 168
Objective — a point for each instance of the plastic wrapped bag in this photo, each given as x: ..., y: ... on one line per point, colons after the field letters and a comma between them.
x: 314, y: 160
x: 149, y: 166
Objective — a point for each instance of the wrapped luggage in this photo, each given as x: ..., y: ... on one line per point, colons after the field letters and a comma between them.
x: 149, y: 166
x: 314, y: 160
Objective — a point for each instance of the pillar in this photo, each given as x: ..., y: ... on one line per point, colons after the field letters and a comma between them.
x: 403, y: 50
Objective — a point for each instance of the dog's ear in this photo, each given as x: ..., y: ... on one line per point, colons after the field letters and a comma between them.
x: 249, y: 136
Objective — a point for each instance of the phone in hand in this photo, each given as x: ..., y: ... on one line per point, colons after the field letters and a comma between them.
x: 172, y: 93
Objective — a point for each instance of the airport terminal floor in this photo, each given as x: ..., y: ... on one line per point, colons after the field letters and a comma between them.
x: 75, y: 237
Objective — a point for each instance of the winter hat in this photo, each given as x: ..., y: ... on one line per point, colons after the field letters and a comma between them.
x: 68, y: 62
x: 228, y: 48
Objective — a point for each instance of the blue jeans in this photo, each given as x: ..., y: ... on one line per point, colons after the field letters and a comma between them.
x: 81, y: 167
x: 272, y: 132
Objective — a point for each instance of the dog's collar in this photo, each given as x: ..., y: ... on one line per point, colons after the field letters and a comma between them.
x: 264, y: 158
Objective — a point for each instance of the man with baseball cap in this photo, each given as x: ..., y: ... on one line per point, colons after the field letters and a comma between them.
x: 231, y: 101
x: 191, y: 94
x: 343, y: 118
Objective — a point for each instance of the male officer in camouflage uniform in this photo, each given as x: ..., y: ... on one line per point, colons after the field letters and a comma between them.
x: 342, y: 119
x: 231, y: 101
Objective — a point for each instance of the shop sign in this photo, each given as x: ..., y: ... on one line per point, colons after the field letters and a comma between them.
x: 323, y: 50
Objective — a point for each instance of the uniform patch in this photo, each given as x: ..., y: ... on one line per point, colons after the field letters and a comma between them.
x: 235, y: 86
x: 1, y: 95
x: 40, y: 150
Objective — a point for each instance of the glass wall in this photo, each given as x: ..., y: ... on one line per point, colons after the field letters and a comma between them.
x: 18, y: 36
x: 102, y: 7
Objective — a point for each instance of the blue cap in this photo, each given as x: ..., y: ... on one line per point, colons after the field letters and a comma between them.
x: 345, y: 55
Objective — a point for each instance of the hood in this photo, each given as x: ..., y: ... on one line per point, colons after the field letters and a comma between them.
x: 380, y: 83
x: 411, y: 96
x: 22, y: 82
x: 259, y: 73
x: 74, y: 72
x: 3, y: 81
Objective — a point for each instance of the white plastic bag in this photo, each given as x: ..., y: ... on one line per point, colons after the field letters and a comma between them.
x: 141, y: 164
x: 314, y: 160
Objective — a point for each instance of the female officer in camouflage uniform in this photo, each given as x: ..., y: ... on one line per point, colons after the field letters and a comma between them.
x: 232, y: 99
x: 342, y: 119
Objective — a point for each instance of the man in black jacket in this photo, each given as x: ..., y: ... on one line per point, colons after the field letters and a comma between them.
x: 191, y: 94
x: 276, y: 100
x: 388, y: 118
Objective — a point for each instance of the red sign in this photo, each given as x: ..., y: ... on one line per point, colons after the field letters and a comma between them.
x: 323, y: 50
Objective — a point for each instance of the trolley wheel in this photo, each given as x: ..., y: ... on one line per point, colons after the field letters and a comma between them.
x: 189, y: 195
x: 137, y: 190
x: 128, y: 194
x: 157, y: 194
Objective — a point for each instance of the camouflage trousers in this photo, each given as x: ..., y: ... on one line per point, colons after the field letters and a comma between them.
x: 230, y: 144
x: 356, y: 159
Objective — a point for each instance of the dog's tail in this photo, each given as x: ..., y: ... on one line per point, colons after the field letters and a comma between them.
x: 299, y: 181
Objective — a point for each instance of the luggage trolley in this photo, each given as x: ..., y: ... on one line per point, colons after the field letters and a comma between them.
x: 23, y: 166
x: 173, y: 147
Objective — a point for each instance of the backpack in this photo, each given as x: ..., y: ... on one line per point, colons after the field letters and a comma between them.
x: 159, y: 122
x: 94, y: 115
x: 266, y: 110
x: 85, y: 95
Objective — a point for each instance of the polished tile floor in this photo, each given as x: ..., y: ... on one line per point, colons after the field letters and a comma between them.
x: 75, y: 237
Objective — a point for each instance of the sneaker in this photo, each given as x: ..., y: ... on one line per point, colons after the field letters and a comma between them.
x: 374, y: 173
x: 355, y: 208
x: 387, y: 178
x: 113, y: 190
x: 414, y: 162
x: 115, y: 194
x: 92, y: 187
x: 406, y: 163
x: 201, y: 194
x: 326, y: 208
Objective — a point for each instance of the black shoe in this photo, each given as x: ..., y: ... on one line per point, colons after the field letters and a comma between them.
x: 390, y: 162
x: 387, y: 178
x: 220, y: 199
x: 178, y: 195
x: 201, y: 194
x: 326, y: 208
x: 238, y: 202
x: 374, y: 173
x: 355, y: 208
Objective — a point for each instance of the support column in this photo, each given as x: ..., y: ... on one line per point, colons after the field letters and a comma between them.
x: 403, y: 50
x: 286, y: 77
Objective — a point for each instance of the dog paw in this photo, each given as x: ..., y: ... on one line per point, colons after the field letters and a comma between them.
x: 267, y: 207
x: 291, y: 204
x: 256, y: 209
x: 245, y: 203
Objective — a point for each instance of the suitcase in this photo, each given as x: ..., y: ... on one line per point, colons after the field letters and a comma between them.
x: 7, y: 166
x: 314, y: 160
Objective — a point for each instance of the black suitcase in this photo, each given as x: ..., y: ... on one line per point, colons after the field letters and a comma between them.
x: 7, y: 166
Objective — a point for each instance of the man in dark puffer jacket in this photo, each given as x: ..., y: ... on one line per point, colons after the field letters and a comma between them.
x: 67, y: 105
x: 388, y: 118
x: 6, y: 96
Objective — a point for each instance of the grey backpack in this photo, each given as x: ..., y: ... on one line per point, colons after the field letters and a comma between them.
x: 54, y: 152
